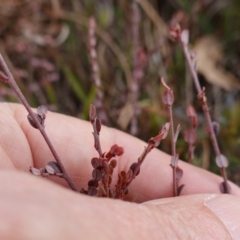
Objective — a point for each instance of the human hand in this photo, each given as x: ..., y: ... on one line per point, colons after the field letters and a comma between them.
x: 33, y: 208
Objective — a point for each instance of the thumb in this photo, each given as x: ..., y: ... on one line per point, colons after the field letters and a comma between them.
x: 205, y: 216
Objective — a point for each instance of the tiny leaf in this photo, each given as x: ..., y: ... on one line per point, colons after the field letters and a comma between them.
x: 180, y: 189
x: 42, y: 111
x: 96, y: 174
x: 223, y: 187
x: 93, y: 183
x: 52, y: 168
x: 168, y: 97
x: 92, y: 191
x: 35, y: 171
x: 32, y: 122
x: 98, y: 125
x: 221, y: 161
x: 162, y: 134
x: 216, y: 127
x: 116, y: 150
x: 96, y: 163
x: 179, y: 173
x: 134, y: 166
x: 113, y: 163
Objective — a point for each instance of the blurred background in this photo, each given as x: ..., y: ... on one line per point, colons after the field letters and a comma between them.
x: 61, y: 57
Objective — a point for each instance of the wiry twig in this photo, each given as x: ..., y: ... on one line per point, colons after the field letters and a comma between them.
x: 125, y: 179
x: 10, y: 80
x: 168, y: 99
x: 95, y: 70
x: 96, y: 123
x: 137, y: 71
x: 190, y: 135
x: 221, y: 161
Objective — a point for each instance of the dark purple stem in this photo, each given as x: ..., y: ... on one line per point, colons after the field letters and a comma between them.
x: 16, y: 89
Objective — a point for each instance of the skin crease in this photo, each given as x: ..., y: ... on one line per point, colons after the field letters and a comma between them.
x: 35, y: 208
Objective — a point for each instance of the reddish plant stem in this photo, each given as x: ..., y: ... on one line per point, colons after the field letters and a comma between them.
x: 152, y: 143
x: 173, y: 147
x: 97, y: 143
x: 139, y: 163
x: 14, y: 86
x: 95, y: 71
x: 202, y: 98
x: 136, y: 72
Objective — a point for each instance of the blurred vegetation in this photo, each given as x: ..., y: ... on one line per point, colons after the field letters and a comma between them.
x: 46, y: 46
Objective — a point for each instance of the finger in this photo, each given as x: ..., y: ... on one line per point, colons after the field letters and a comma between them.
x: 41, y: 210
x: 74, y: 143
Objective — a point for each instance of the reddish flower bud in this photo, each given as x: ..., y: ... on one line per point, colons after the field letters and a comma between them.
x: 113, y: 163
x: 114, y: 151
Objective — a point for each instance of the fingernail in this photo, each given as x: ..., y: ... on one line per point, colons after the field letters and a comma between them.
x: 227, y: 209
